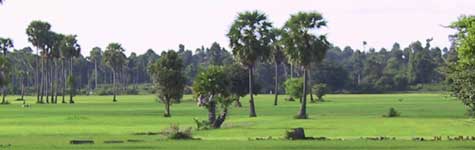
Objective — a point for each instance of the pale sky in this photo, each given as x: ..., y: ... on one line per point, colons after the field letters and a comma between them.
x: 161, y: 25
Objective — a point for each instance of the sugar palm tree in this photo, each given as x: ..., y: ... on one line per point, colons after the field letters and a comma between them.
x: 303, y: 47
x: 70, y: 49
x: 38, y: 34
x: 115, y: 58
x: 277, y: 57
x: 96, y: 57
x: 5, y: 44
x: 249, y: 39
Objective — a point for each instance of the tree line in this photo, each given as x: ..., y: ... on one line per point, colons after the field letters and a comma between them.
x: 55, y: 66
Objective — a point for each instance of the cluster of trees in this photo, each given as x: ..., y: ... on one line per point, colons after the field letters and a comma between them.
x: 262, y: 55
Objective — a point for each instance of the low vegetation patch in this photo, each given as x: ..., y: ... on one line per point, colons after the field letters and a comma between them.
x: 175, y: 133
x: 392, y: 113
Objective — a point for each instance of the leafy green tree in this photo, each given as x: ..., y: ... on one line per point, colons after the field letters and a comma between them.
x: 238, y: 78
x: 294, y: 87
x: 115, y: 58
x: 303, y: 47
x: 212, y: 88
x: 462, y: 73
x: 168, y: 78
x: 38, y: 35
x: 320, y: 90
x: 250, y: 38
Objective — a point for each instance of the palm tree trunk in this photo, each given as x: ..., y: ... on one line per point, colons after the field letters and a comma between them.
x: 71, y: 92
x: 95, y: 74
x: 42, y: 80
x: 63, y: 80
x: 252, y: 109
x: 23, y: 88
x: 37, y: 76
x: 309, y: 75
x: 113, y: 86
x: 303, y: 108
x: 276, y: 84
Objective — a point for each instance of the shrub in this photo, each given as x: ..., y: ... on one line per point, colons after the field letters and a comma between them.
x: 320, y: 90
x: 392, y: 113
x: 294, y: 87
x: 174, y: 132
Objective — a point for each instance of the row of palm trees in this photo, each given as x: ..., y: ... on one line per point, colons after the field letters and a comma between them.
x: 54, y: 51
x: 253, y: 38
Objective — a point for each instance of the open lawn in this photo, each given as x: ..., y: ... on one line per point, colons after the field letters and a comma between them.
x: 349, y: 117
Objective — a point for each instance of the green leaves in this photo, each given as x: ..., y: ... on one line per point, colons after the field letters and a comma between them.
x: 302, y: 46
x: 465, y: 39
x: 167, y: 74
x: 249, y: 37
x: 114, y: 56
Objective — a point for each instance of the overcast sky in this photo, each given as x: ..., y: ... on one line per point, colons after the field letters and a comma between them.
x: 161, y: 25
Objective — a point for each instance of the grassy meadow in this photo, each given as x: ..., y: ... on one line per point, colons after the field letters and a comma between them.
x: 348, y: 117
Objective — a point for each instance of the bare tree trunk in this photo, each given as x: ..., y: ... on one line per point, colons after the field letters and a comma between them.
x: 37, y: 76
x: 95, y: 74
x: 303, y: 109
x: 63, y: 61
x: 252, y: 109
x: 220, y: 120
x: 276, y: 84
x: 238, y: 102
x: 47, y: 80
x: 309, y: 76
x: 71, y: 92
x: 211, y: 111
x: 23, y: 88
x: 114, y: 87
x: 167, y: 107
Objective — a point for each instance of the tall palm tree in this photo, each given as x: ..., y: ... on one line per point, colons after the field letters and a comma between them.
x: 38, y: 33
x: 277, y: 57
x: 96, y: 57
x: 5, y: 44
x: 115, y: 58
x: 303, y: 47
x: 250, y: 38
x: 70, y: 49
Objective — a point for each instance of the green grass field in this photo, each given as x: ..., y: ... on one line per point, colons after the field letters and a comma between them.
x: 349, y: 117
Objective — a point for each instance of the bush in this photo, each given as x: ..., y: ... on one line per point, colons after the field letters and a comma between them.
x: 320, y: 90
x: 294, y: 87
x: 175, y: 133
x: 392, y: 113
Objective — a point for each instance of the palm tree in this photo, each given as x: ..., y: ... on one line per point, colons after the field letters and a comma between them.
x: 115, y: 58
x: 5, y: 44
x: 38, y: 33
x: 277, y: 56
x: 96, y: 57
x: 303, y: 47
x: 250, y: 38
x: 70, y: 49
